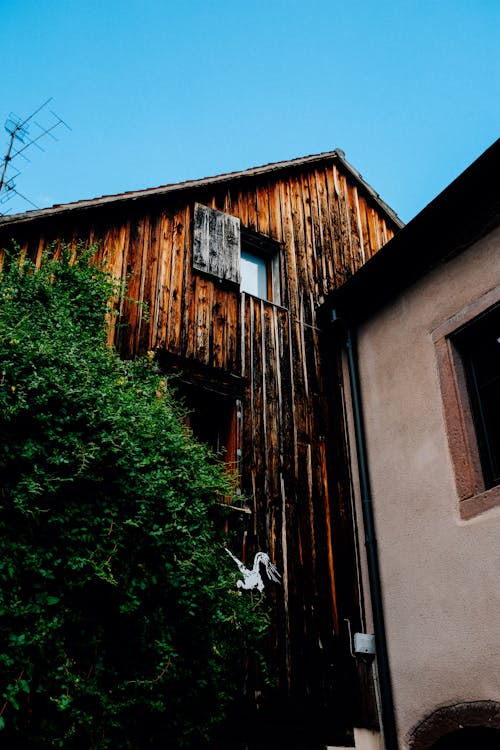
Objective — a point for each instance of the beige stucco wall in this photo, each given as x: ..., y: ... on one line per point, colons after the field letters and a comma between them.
x: 440, y: 575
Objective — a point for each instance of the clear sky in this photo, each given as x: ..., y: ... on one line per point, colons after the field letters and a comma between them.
x: 160, y: 91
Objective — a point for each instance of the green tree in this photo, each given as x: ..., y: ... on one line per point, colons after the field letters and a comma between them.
x: 120, y: 623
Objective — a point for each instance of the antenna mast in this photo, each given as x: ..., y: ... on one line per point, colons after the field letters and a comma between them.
x: 19, y: 142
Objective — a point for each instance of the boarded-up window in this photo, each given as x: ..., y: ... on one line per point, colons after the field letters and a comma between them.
x: 216, y: 243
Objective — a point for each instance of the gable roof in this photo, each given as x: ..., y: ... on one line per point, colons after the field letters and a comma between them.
x: 462, y: 213
x: 337, y: 156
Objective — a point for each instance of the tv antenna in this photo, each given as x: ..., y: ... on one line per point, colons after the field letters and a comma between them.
x: 20, y: 140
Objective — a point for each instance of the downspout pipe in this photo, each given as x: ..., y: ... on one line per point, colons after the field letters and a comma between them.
x: 384, y: 674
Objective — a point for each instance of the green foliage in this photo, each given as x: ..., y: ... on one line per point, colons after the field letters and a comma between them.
x: 119, y: 616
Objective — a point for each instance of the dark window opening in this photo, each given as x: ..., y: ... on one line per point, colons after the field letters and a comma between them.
x: 213, y: 419
x: 470, y: 738
x: 479, y: 348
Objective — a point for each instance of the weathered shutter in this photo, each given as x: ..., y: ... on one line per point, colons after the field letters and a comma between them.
x: 216, y: 243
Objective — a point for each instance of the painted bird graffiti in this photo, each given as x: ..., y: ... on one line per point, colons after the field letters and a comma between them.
x: 252, y: 579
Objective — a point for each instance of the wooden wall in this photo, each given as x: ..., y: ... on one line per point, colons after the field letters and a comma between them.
x: 272, y: 357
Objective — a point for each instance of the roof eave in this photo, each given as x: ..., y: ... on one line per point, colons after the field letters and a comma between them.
x: 336, y: 155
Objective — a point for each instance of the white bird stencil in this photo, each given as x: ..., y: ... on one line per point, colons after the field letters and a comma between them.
x: 252, y: 579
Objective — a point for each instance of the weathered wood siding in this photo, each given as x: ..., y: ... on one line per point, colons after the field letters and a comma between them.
x: 327, y: 227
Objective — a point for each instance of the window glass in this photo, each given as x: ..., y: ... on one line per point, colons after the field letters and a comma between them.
x: 254, y: 274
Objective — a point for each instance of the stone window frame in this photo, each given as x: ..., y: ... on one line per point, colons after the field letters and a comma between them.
x: 474, y: 498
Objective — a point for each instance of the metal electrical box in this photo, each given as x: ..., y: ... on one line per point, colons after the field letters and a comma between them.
x: 364, y: 644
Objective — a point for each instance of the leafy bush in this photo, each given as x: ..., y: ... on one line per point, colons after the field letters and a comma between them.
x: 119, y: 615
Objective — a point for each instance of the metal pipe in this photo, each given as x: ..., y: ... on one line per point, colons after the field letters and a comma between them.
x: 386, y: 695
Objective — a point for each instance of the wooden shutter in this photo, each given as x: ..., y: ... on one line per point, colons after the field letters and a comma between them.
x: 216, y: 243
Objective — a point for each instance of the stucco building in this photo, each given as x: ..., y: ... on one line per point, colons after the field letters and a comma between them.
x: 419, y: 325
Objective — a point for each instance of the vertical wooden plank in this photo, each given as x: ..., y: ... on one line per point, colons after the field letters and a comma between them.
x: 349, y: 235
x: 177, y: 269
x: 355, y: 225
x: 286, y: 587
x: 336, y: 224
x: 131, y: 314
x: 162, y: 294
x: 39, y: 249
x: 231, y: 360
x: 374, y: 228
x: 385, y: 234
x: 190, y: 318
x: 319, y: 222
x: 307, y: 252
x: 323, y: 475
x: 142, y: 311
x: 263, y: 212
x: 150, y: 282
x: 273, y: 402
x: 227, y: 205
x: 266, y: 372
x: 365, y: 233
x: 112, y: 251
x: 275, y: 219
x: 289, y: 259
x: 218, y: 328
x: 243, y: 344
x: 276, y: 232
x: 188, y: 285
x: 242, y: 204
x: 258, y: 395
x: 317, y: 254
x: 331, y: 251
x: 114, y: 256
x: 251, y: 209
x: 303, y: 576
x: 300, y: 232
x: 121, y: 331
x: 288, y: 432
x: 230, y: 249
x: 344, y: 229
x: 203, y: 320
x: 251, y: 431
x: 201, y: 237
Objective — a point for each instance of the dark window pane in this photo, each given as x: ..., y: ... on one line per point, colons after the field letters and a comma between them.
x: 480, y: 349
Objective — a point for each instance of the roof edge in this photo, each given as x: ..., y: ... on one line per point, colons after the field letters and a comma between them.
x: 337, y: 155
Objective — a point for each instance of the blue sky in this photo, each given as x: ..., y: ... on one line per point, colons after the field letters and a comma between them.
x: 158, y: 92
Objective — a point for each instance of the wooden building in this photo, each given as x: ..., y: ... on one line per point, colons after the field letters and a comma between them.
x: 232, y: 270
